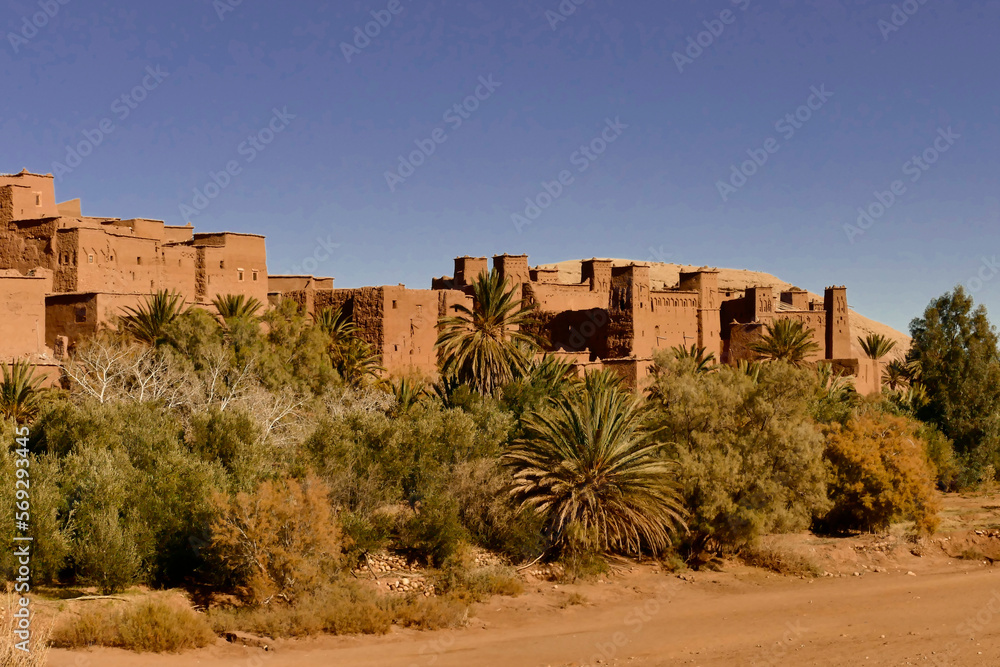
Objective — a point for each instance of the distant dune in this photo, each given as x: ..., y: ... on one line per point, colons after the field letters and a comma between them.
x: 668, y: 275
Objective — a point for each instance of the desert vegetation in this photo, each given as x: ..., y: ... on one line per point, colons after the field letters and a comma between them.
x: 255, y: 458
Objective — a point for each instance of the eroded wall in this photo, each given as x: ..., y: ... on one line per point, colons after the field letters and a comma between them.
x: 22, y: 324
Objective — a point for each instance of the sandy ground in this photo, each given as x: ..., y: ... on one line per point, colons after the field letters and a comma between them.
x: 935, y: 617
x: 882, y: 600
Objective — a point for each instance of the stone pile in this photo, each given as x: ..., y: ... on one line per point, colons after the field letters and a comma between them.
x: 384, y: 564
x: 394, y: 574
x: 546, y: 572
x: 408, y: 585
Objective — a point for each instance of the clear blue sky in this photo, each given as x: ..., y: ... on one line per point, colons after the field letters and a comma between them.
x: 224, y: 67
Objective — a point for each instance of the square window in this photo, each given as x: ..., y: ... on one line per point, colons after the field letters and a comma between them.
x: 222, y: 264
x: 81, y: 314
x: 138, y: 261
x: 393, y: 303
x: 38, y: 199
x: 255, y: 276
x: 240, y: 272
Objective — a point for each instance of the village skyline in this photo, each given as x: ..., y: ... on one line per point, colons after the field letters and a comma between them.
x: 843, y: 149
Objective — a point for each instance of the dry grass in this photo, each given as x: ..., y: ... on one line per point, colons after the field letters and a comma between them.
x: 485, y: 582
x: 346, y: 608
x: 339, y: 610
x: 779, y: 560
x: 430, y: 613
x: 10, y: 655
x: 150, y: 626
x: 573, y: 599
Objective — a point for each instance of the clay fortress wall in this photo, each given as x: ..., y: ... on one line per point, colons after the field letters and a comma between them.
x: 63, y: 275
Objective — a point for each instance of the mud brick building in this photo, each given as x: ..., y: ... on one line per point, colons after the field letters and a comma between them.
x: 400, y: 323
x: 62, y: 273
x: 612, y: 317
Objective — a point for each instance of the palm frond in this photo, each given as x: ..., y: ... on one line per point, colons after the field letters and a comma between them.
x: 703, y: 363
x: 592, y: 468
x: 236, y: 306
x: 483, y: 346
x: 147, y: 321
x: 19, y: 391
x: 876, y: 346
x: 785, y: 340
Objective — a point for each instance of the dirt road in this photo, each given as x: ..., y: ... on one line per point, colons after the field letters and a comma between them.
x: 942, y: 615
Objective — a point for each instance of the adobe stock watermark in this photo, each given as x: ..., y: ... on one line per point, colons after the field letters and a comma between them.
x: 899, y: 17
x: 778, y: 654
x: 915, y: 168
x: 363, y: 36
x: 454, y: 116
x: 607, y: 652
x: 122, y: 107
x: 660, y: 255
x: 30, y: 25
x: 698, y: 43
x: 223, y: 7
x: 255, y: 144
x: 582, y: 159
x: 971, y: 627
x: 988, y: 270
x: 23, y: 541
x: 562, y: 13
x: 323, y: 252
x: 787, y: 126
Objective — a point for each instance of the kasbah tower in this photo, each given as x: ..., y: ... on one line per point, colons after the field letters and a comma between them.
x: 63, y: 275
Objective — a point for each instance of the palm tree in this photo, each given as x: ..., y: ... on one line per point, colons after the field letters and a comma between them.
x: 336, y: 324
x: 876, y: 345
x: 750, y: 368
x: 408, y: 393
x: 236, y: 306
x: 834, y: 385
x: 147, y: 322
x: 19, y: 391
x: 482, y: 345
x: 896, y: 374
x: 785, y: 340
x: 356, y: 361
x: 549, y: 373
x: 592, y: 468
x: 702, y: 363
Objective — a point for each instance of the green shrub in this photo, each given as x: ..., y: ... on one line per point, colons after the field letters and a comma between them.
x: 941, y: 455
x: 434, y: 533
x: 124, y: 468
x: 749, y: 454
x: 491, y: 517
x: 365, y: 533
x: 234, y: 440
x: 105, y: 554
x: 879, y: 471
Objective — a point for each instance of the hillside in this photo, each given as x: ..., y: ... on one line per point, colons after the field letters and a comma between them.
x: 667, y: 275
